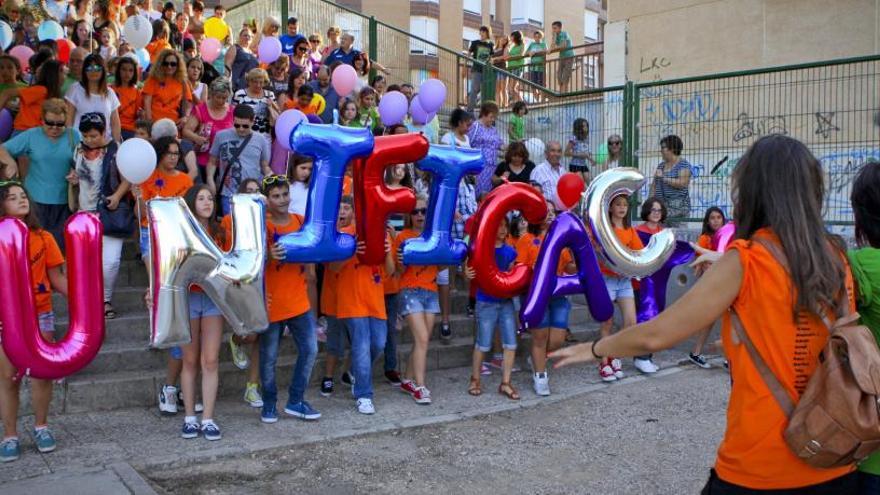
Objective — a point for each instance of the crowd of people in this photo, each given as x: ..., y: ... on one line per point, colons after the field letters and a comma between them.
x: 211, y: 126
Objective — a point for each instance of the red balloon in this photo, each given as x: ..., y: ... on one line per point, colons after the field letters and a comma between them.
x: 504, y: 198
x: 374, y: 201
x: 569, y: 189
x: 64, y: 48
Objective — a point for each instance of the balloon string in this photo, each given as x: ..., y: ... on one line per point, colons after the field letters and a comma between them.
x: 335, y: 116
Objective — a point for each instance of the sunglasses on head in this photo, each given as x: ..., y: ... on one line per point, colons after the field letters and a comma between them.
x: 274, y: 179
x: 51, y: 123
x: 419, y: 211
x: 242, y: 126
x: 11, y: 182
x: 170, y: 63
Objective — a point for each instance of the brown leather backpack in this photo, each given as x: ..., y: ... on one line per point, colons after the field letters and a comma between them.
x: 836, y: 422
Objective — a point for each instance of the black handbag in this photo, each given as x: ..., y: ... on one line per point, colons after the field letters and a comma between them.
x: 121, y: 221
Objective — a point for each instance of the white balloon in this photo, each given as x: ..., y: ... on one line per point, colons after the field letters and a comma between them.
x: 6, y: 36
x: 136, y: 160
x: 137, y: 31
x: 536, y: 149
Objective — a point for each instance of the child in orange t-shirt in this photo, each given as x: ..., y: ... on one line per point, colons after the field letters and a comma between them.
x: 620, y: 288
x: 288, y: 305
x: 363, y: 314
x: 125, y: 87
x: 418, y: 304
x: 712, y: 221
x: 47, y: 275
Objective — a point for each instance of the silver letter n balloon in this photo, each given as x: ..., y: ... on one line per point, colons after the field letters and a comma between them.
x: 184, y: 254
x: 604, y: 188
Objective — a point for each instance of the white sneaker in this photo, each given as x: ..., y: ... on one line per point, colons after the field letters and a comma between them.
x: 365, y: 406
x: 168, y: 400
x: 646, y: 366
x: 617, y: 366
x: 541, y: 384
x: 239, y: 356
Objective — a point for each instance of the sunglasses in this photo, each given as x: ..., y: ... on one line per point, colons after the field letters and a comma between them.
x: 612, y: 143
x: 172, y: 153
x: 169, y: 64
x: 419, y: 211
x: 242, y: 126
x: 55, y: 124
x: 302, y: 49
x: 274, y: 179
x: 314, y: 41
x: 94, y: 68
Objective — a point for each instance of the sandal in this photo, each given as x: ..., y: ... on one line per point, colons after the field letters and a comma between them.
x: 474, y: 387
x: 109, y: 312
x: 507, y: 390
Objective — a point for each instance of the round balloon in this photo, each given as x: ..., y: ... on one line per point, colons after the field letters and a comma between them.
x: 216, y: 28
x: 5, y: 124
x: 432, y: 94
x: 536, y: 149
x: 23, y: 54
x: 284, y: 126
x: 344, y: 79
x: 602, y: 153
x: 392, y: 108
x: 269, y: 49
x: 137, y: 31
x: 6, y: 35
x: 569, y: 189
x: 50, y: 30
x: 136, y: 160
x: 418, y: 114
x: 143, y: 58
x: 210, y: 49
x: 65, y: 46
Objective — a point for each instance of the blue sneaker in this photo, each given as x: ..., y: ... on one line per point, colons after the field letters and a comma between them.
x: 269, y: 414
x: 10, y: 450
x: 302, y: 410
x: 211, y: 431
x: 190, y: 430
x: 45, y: 440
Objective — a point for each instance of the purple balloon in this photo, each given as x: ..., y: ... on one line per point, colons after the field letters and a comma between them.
x: 5, y: 124
x: 419, y: 115
x: 566, y: 231
x: 314, y: 119
x: 269, y: 49
x: 284, y: 126
x: 392, y: 108
x: 432, y: 94
x: 652, y: 289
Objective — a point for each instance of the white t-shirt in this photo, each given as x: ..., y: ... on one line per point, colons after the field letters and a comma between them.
x: 459, y: 143
x: 84, y: 104
x: 199, y: 90
x: 299, y: 195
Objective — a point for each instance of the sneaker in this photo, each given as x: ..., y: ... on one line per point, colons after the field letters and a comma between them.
x: 541, y: 383
x: 646, y: 366
x: 617, y: 366
x: 347, y: 378
x: 422, y: 395
x: 190, y: 430
x: 445, y: 332
x: 10, y: 450
x: 484, y: 369
x: 269, y: 414
x: 496, y: 363
x: 211, y: 431
x: 408, y: 387
x: 606, y: 373
x: 699, y: 360
x: 168, y: 400
x: 393, y: 377
x: 45, y: 440
x: 365, y: 406
x: 252, y: 395
x: 302, y: 410
x: 239, y: 356
x: 327, y: 386
x: 470, y: 310
x: 199, y: 407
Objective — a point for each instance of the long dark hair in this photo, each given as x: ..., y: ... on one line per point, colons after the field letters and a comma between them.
x: 580, y: 128
x: 118, y: 75
x: 94, y: 59
x: 295, y: 72
x: 707, y: 229
x: 49, y: 76
x: 214, y: 229
x: 778, y: 184
x: 30, y: 220
x: 865, y: 198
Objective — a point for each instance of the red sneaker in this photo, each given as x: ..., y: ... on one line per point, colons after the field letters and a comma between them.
x: 422, y: 395
x: 408, y: 387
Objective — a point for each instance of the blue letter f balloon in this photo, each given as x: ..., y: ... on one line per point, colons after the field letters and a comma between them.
x: 332, y: 147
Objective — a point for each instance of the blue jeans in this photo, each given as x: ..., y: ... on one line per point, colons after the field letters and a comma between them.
x: 868, y: 483
x: 302, y: 329
x: 490, y: 315
x: 336, y: 335
x: 367, y: 343
x: 391, y: 338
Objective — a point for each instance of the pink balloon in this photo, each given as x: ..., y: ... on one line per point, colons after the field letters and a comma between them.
x: 284, y: 126
x: 210, y: 49
x: 22, y: 341
x: 344, y: 80
x: 23, y: 54
x: 269, y: 49
x: 722, y: 238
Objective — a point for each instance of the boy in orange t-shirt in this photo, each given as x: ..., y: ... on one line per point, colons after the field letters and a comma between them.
x: 288, y: 305
x: 363, y: 314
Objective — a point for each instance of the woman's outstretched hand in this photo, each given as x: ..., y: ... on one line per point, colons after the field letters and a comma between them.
x: 580, y: 353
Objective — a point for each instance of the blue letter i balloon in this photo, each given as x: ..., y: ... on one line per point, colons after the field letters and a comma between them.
x: 436, y: 246
x: 332, y: 147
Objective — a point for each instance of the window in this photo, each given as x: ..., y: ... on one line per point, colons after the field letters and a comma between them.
x: 527, y: 12
x: 473, y: 6
x: 352, y: 24
x: 591, y: 25
x: 425, y: 28
x: 492, y: 9
x: 468, y: 35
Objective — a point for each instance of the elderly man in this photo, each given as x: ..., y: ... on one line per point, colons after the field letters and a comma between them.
x: 547, y: 174
x: 75, y: 68
x: 346, y: 53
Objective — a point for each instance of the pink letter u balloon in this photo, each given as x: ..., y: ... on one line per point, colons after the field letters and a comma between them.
x: 22, y: 342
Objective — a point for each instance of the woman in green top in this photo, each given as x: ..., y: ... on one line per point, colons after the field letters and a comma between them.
x: 10, y: 77
x: 865, y: 265
x: 536, y: 50
x: 515, y: 64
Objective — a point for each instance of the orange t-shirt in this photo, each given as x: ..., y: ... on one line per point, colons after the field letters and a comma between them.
x: 364, y: 291
x: 331, y: 281
x: 286, y: 293
x: 705, y: 241
x: 315, y: 107
x: 164, y: 185
x: 154, y: 48
x: 415, y: 276
x: 167, y: 97
x: 30, y: 112
x: 529, y: 246
x: 129, y: 103
x: 629, y: 238
x: 753, y: 453
x: 347, y: 184
x: 44, y: 254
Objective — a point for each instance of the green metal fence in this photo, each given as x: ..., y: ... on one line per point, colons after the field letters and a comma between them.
x: 830, y: 105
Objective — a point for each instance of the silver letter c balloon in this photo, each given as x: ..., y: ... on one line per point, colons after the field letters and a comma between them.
x: 604, y: 188
x: 184, y: 254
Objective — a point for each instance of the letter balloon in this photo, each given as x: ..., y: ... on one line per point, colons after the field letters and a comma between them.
x: 22, y: 341
x: 723, y: 237
x: 652, y: 289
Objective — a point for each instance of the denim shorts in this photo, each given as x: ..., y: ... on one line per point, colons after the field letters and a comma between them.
x: 491, y: 315
x: 556, y: 315
x: 201, y: 306
x: 145, y: 242
x: 443, y: 277
x: 418, y: 301
x: 46, y: 321
x: 619, y: 287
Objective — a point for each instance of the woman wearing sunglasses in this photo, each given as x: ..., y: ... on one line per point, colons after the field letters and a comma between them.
x: 166, y: 93
x: 615, y: 152
x: 92, y: 95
